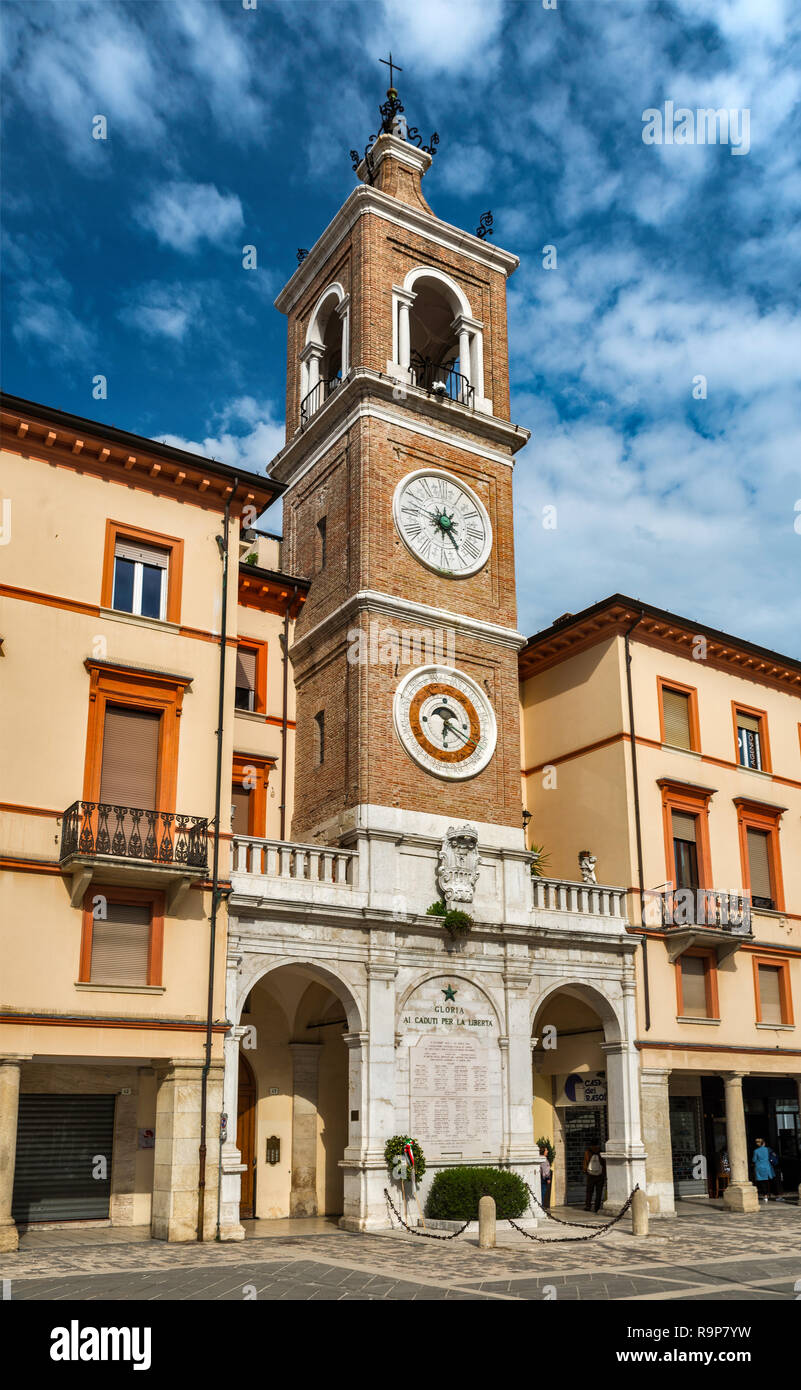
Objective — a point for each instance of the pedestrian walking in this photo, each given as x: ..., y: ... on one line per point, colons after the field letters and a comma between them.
x: 594, y: 1167
x: 766, y: 1167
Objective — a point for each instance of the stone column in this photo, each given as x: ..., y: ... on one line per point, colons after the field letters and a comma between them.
x: 232, y: 1166
x: 10, y: 1068
x: 521, y: 1153
x: 740, y: 1195
x: 343, y: 310
x: 404, y: 299
x: 656, y: 1137
x: 305, y: 1069
x: 624, y: 1152
x: 176, y: 1167
x: 372, y: 1074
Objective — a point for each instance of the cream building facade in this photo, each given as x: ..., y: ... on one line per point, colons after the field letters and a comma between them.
x: 673, y: 753
x: 111, y: 602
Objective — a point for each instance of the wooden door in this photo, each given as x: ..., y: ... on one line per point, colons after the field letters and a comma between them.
x: 246, y: 1139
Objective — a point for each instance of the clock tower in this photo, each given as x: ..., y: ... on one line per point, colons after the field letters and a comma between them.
x: 398, y: 465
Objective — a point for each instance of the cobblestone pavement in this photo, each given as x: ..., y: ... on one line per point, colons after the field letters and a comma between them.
x: 712, y: 1256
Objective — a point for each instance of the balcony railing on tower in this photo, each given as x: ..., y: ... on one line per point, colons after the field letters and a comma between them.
x: 97, y: 829
x: 317, y: 397
x: 441, y: 381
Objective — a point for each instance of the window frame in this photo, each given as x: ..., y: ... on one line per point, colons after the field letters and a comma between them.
x: 666, y: 683
x: 122, y: 531
x: 755, y: 815
x: 709, y: 957
x: 692, y: 801
x: 257, y: 801
x: 785, y: 990
x: 259, y: 647
x: 737, y: 707
x: 110, y: 685
x: 120, y: 894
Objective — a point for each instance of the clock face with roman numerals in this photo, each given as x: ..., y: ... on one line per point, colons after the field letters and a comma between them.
x: 442, y: 522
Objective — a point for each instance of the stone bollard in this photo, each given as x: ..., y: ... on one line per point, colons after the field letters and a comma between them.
x: 639, y: 1213
x: 486, y: 1223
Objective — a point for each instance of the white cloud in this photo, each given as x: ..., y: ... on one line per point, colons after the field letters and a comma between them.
x: 245, y: 433
x: 163, y: 311
x: 184, y: 215
x: 447, y: 36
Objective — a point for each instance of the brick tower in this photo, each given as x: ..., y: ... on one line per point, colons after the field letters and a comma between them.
x: 398, y: 463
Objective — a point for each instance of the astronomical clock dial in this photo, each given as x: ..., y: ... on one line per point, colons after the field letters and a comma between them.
x: 442, y: 522
x: 445, y: 722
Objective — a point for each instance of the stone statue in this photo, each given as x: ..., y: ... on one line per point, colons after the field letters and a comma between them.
x: 587, y: 862
x: 457, y: 867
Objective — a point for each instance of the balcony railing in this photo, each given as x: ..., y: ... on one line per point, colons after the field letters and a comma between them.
x: 316, y: 397
x: 97, y: 829
x: 442, y: 381
x: 589, y: 899
x: 284, y: 859
x: 680, y: 908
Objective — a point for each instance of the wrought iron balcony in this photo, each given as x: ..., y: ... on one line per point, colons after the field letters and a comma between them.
x: 442, y: 381
x: 315, y: 398
x: 98, y: 830
x: 680, y: 908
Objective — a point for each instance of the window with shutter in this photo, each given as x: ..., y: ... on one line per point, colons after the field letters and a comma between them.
x: 140, y: 579
x: 749, y: 740
x: 121, y: 945
x: 685, y: 850
x: 759, y: 868
x: 245, y: 695
x: 770, y: 996
x: 129, y: 774
x: 676, y: 718
x: 693, y: 987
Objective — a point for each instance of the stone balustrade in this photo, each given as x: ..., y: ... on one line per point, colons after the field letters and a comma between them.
x: 283, y: 859
x: 585, y: 899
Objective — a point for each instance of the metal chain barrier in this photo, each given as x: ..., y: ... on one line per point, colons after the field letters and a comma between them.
x: 427, y: 1235
x: 563, y: 1240
x: 540, y: 1240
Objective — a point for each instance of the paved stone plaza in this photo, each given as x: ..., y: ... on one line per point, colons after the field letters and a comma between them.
x: 709, y: 1256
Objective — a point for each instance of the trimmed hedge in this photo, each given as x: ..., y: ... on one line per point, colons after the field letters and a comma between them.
x: 455, y: 1193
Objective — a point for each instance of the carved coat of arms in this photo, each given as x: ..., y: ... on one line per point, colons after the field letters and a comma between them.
x: 457, y: 869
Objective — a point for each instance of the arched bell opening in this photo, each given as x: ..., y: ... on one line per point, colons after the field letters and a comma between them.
x: 324, y: 359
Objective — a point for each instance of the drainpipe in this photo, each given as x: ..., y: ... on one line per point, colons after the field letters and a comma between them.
x: 222, y: 541
x: 637, y: 822
x: 285, y: 648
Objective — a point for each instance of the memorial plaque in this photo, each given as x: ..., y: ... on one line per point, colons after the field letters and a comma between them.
x: 454, y: 1069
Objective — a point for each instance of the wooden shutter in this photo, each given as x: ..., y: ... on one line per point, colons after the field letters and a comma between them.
x: 770, y: 997
x: 145, y: 554
x: 130, y: 757
x: 245, y: 669
x: 684, y: 827
x: 759, y: 864
x: 240, y: 803
x: 693, y: 987
x: 121, y: 945
x: 676, y: 713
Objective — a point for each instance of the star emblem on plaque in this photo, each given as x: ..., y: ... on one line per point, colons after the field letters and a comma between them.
x: 445, y: 722
x: 449, y: 992
x: 457, y: 868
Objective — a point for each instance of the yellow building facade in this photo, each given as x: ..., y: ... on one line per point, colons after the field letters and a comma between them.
x: 665, y: 756
x: 112, y: 1003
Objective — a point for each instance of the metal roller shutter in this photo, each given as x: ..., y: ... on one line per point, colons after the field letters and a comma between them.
x: 58, y: 1141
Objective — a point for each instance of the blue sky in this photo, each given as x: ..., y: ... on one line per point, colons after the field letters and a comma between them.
x: 230, y: 126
